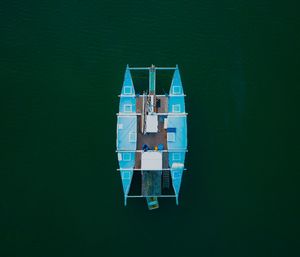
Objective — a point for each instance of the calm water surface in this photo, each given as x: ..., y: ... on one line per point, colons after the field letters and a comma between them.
x: 61, y: 69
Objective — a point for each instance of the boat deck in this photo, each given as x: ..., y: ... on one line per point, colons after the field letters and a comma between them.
x: 161, y: 106
x: 165, y: 160
x: 140, y: 182
x: 152, y: 139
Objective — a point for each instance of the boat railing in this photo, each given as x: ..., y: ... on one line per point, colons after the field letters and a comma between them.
x: 147, y: 169
x: 139, y: 196
x: 157, y: 113
x: 166, y: 95
x: 164, y: 151
x: 148, y: 68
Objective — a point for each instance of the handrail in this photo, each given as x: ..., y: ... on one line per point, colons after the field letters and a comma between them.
x: 173, y: 114
x: 148, y: 68
x: 139, y: 196
x: 164, y: 151
x: 145, y: 169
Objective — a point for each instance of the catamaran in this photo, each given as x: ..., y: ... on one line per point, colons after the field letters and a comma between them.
x: 151, y: 138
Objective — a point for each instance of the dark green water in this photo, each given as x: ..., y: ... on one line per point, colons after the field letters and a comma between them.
x: 61, y: 69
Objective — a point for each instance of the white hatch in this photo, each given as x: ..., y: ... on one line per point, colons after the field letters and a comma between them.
x: 152, y: 123
x: 151, y: 160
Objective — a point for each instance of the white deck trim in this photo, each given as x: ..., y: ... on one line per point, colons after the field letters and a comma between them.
x: 139, y: 196
x: 164, y: 151
x: 127, y: 114
x: 129, y: 95
x: 173, y: 114
x: 141, y: 169
x: 177, y: 114
x: 137, y: 96
x: 148, y: 68
x: 170, y: 95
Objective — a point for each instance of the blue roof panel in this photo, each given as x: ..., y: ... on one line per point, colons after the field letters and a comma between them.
x: 177, y: 143
x: 180, y: 141
x: 176, y: 180
x: 126, y: 133
x: 176, y: 85
x: 128, y: 88
x: 126, y: 176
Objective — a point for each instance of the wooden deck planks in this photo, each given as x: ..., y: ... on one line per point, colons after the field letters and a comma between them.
x: 152, y: 139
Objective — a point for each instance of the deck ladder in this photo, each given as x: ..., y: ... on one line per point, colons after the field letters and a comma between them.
x: 166, y: 179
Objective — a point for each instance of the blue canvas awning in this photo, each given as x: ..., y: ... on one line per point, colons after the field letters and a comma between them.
x: 126, y: 176
x: 176, y: 172
x: 177, y: 126
x: 127, y: 132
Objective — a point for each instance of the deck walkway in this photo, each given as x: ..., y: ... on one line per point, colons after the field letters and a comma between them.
x: 163, y: 108
x: 150, y: 139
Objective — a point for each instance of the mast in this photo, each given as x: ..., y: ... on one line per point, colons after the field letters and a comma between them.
x: 152, y: 80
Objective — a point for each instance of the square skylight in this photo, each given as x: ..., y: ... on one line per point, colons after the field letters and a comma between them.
x: 171, y: 137
x: 126, y: 175
x: 127, y: 156
x: 176, y: 107
x: 176, y: 90
x: 176, y: 157
x: 127, y: 108
x: 132, y: 137
x: 127, y: 90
